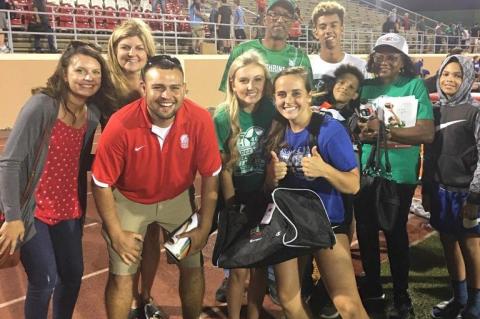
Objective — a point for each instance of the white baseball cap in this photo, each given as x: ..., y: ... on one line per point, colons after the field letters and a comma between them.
x: 393, y: 40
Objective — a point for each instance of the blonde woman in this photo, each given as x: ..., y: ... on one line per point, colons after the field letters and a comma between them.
x: 240, y: 122
x: 129, y: 47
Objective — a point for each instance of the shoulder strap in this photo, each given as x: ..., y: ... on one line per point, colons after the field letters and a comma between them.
x: 314, y: 128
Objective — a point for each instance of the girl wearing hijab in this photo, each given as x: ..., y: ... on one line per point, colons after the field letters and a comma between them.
x: 451, y: 185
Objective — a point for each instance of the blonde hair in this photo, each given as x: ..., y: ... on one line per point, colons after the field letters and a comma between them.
x: 232, y: 104
x: 328, y: 8
x: 129, y: 28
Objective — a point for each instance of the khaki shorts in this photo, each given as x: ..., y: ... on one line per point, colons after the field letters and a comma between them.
x: 136, y: 217
x: 198, y: 31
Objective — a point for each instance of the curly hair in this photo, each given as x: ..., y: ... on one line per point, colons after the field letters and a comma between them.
x: 250, y: 57
x: 57, y: 86
x: 328, y: 8
x: 129, y: 28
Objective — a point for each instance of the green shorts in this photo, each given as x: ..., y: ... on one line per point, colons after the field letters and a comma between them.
x: 136, y: 217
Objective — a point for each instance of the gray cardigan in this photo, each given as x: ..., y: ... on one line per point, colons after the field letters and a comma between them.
x: 24, y: 156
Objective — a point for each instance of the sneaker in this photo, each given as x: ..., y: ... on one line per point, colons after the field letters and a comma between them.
x: 373, y: 298
x: 448, y: 309
x: 136, y: 313
x: 320, y: 303
x: 153, y: 311
x: 4, y: 49
x: 402, y: 308
x: 328, y: 310
x: 221, y: 293
x: 417, y: 209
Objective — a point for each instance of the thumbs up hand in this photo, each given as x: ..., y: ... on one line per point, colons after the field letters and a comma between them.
x: 276, y: 169
x: 314, y: 166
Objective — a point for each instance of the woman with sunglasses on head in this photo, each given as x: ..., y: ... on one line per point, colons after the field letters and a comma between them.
x: 43, y: 178
x: 129, y: 47
x: 394, y: 76
x: 329, y: 168
x: 240, y: 123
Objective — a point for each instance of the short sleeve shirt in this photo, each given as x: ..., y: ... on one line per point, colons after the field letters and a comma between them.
x: 404, y: 160
x: 321, y: 67
x: 335, y: 147
x: 249, y: 172
x: 130, y: 158
x: 276, y: 60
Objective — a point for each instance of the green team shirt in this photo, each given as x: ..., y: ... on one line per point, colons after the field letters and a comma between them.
x: 250, y: 169
x: 404, y: 160
x: 276, y: 60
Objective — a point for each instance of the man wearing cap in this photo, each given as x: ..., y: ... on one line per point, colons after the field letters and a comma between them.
x: 274, y: 49
x: 146, y: 161
x: 395, y: 78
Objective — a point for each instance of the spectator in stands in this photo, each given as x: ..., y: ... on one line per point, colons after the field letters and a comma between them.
x: 464, y: 36
x: 261, y: 7
x: 3, y: 27
x: 277, y: 54
x: 130, y: 181
x: 213, y: 18
x: 196, y: 23
x: 224, y: 21
x: 42, y: 20
x: 474, y: 37
x: 439, y: 38
x: 389, y: 26
x: 328, y: 18
x: 392, y: 15
x: 248, y: 108
x: 421, y: 29
x: 155, y: 4
x: 239, y: 21
x: 394, y: 77
x: 129, y: 47
x: 406, y: 22
x: 451, y: 186
x: 45, y: 160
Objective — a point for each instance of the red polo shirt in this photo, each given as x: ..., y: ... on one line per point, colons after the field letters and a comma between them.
x: 129, y: 156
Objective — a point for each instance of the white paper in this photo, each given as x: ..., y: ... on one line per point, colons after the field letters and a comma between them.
x: 179, y: 247
x: 398, y: 111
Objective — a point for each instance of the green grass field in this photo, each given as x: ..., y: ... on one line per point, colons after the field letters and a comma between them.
x: 429, y: 281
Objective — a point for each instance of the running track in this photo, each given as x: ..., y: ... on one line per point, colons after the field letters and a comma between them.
x: 165, y: 290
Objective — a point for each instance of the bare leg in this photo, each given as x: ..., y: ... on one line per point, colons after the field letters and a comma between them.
x: 150, y: 260
x: 470, y: 246
x: 235, y: 290
x: 256, y: 292
x: 192, y: 289
x: 336, y: 268
x: 118, y: 296
x: 288, y: 283
x: 453, y: 257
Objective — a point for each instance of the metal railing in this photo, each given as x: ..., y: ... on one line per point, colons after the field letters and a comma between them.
x: 172, y: 34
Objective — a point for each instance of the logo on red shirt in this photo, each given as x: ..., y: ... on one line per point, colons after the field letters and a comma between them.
x: 184, y: 141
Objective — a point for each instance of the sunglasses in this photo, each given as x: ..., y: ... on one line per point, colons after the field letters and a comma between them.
x: 75, y: 44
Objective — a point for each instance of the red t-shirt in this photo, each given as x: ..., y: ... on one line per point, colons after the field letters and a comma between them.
x: 129, y: 156
x: 56, y: 194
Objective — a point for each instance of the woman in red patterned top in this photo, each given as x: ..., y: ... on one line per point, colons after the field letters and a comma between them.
x: 46, y: 159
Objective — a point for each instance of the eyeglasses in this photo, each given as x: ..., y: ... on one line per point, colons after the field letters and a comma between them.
x: 388, y: 58
x: 275, y: 16
x: 75, y: 44
x: 163, y: 60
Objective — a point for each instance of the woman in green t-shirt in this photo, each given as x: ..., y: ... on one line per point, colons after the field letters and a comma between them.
x: 395, y: 78
x: 240, y: 122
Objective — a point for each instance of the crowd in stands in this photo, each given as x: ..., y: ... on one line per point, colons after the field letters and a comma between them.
x: 346, y: 130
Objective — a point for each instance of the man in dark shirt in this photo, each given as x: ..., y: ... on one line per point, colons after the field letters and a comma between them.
x: 42, y: 19
x: 223, y: 28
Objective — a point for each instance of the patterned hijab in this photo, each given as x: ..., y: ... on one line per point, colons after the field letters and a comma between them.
x: 463, y: 95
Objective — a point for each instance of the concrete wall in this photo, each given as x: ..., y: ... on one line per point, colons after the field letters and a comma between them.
x: 19, y: 73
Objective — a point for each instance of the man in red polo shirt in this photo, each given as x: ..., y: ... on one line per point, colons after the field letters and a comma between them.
x: 146, y: 160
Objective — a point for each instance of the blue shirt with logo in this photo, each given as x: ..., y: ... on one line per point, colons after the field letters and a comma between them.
x: 335, y: 147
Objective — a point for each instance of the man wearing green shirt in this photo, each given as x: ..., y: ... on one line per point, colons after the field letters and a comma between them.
x: 274, y: 49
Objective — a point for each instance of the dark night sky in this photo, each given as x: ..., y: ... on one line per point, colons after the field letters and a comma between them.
x: 429, y: 5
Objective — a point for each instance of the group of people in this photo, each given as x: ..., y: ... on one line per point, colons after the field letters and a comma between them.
x: 259, y: 138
